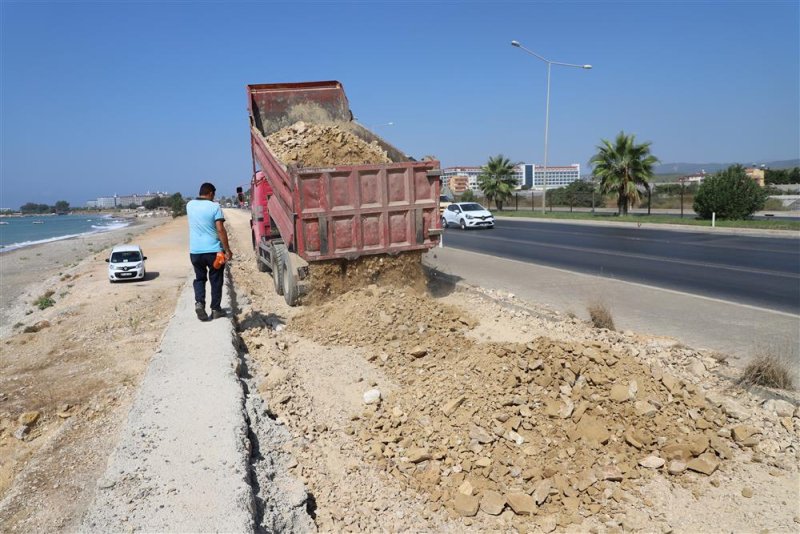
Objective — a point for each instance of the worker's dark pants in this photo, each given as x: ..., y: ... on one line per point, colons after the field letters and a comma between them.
x: 204, y: 270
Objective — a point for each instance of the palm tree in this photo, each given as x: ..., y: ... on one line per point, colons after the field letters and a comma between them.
x: 496, y: 180
x: 623, y: 167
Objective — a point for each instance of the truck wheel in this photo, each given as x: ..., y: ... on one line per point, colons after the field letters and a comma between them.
x: 444, y: 223
x: 278, y: 252
x: 260, y: 264
x: 463, y: 225
x: 290, y: 292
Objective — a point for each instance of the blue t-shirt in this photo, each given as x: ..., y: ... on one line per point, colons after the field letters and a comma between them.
x: 203, y: 215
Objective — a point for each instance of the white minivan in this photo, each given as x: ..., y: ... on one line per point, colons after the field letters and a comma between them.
x: 126, y: 263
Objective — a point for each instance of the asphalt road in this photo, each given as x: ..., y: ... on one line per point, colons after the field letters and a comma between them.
x: 755, y: 270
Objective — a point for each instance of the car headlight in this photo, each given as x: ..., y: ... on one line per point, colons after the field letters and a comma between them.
x: 469, y: 216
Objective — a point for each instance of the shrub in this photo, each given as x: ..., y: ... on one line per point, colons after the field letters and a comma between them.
x: 768, y: 370
x: 601, y: 316
x: 731, y: 194
x: 45, y: 301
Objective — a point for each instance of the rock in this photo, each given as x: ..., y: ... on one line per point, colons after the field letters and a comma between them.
x: 733, y: 409
x: 542, y: 490
x: 492, y: 502
x: 373, y: 396
x: 677, y: 451
x: 644, y: 408
x: 696, y: 367
x: 450, y: 408
x: 747, y: 493
x: 698, y: 445
x: 105, y: 483
x: 741, y: 433
x: 21, y: 432
x: 277, y: 375
x: 652, y: 462
x: 483, y: 462
x: 29, y: 418
x: 418, y: 352
x: 480, y: 435
x: 514, y: 437
x: 612, y: 473
x: 521, y: 503
x: 547, y: 523
x: 705, y: 464
x: 781, y: 408
x: 417, y: 455
x: 619, y: 393
x: 466, y: 488
x: 466, y: 505
x: 676, y: 467
x: 593, y: 431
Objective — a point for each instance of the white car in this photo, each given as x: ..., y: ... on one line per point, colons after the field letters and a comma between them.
x: 126, y: 262
x: 467, y: 215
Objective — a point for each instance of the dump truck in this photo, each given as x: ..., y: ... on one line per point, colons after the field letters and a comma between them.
x: 302, y: 214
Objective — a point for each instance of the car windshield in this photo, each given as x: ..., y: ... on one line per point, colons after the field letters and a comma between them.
x: 126, y: 256
x: 472, y: 207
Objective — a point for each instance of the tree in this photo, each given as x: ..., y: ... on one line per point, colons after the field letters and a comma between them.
x: 496, y: 180
x: 575, y: 194
x: 178, y: 205
x: 731, y: 194
x: 62, y: 206
x: 468, y: 196
x: 31, y: 207
x: 622, y: 168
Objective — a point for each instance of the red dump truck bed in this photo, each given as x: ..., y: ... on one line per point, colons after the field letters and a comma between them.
x: 343, y: 211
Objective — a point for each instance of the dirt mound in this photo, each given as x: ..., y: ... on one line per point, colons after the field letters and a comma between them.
x: 323, y: 145
x: 559, y: 429
x: 330, y: 279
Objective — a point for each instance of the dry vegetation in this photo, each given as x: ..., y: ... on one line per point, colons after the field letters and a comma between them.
x: 601, y: 316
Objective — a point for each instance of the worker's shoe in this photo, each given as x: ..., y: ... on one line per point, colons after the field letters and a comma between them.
x: 200, y: 310
x: 218, y: 314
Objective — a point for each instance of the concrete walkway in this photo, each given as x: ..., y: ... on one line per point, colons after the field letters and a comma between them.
x: 182, y: 463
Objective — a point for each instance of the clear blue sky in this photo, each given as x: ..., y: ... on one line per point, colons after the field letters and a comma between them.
x: 104, y: 98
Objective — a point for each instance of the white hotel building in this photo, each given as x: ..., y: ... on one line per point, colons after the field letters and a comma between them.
x: 525, y: 174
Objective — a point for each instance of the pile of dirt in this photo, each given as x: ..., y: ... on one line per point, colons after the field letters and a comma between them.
x: 560, y: 430
x: 323, y: 145
x: 330, y: 279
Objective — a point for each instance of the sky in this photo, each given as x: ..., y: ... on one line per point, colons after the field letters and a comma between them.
x: 104, y: 98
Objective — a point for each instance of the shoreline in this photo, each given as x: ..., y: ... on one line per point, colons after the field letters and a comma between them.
x: 27, y: 272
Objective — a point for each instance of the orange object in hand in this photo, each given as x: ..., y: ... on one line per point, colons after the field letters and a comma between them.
x: 219, y: 261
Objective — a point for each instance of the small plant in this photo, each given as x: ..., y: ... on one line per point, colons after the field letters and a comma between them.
x: 769, y: 370
x: 601, y: 316
x: 18, y: 325
x: 45, y: 301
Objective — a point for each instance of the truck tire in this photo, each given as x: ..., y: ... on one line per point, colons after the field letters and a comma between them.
x: 463, y: 224
x: 444, y: 223
x: 262, y: 267
x: 289, y: 276
x: 278, y: 252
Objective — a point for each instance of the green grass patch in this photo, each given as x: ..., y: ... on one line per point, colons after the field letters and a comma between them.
x: 652, y: 219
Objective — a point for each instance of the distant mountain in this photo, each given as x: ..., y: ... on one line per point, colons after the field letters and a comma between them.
x: 689, y: 168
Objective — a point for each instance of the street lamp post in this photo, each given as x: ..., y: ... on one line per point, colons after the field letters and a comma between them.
x: 547, y: 113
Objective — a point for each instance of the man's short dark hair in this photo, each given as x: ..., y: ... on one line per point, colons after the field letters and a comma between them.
x: 207, y: 188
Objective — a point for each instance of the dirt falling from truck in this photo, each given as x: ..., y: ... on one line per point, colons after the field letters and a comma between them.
x: 324, y: 145
x: 330, y: 279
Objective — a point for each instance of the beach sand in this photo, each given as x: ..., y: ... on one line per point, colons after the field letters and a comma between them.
x: 77, y: 364
x: 28, y: 272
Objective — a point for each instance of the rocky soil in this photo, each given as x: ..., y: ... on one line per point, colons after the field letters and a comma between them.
x: 475, y: 411
x: 322, y: 145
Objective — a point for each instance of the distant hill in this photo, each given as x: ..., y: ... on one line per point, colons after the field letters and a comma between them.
x: 689, y: 168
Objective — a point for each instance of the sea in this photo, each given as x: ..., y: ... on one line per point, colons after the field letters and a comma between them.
x: 19, y: 232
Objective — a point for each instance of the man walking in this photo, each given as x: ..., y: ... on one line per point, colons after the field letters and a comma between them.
x: 207, y: 237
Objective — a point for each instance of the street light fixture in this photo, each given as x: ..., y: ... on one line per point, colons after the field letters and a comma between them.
x: 547, y: 112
